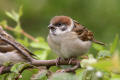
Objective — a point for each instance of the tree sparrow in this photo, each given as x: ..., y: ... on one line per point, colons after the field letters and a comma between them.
x: 8, y: 53
x: 68, y: 39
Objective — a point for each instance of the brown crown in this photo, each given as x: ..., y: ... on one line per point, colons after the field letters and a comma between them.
x: 61, y: 19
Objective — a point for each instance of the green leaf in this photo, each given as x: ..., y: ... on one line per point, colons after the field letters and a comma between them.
x: 97, y: 47
x: 7, y: 63
x: 79, y: 73
x: 11, y: 76
x: 41, y: 44
x: 104, y: 54
x: 115, y: 63
x: 41, y: 54
x: 63, y: 76
x: 25, y: 41
x: 104, y: 65
x: 114, y: 44
x: 88, y: 74
x: 18, y: 29
x: 10, y: 15
x: 41, y: 75
x: 28, y: 73
x: 16, y: 68
x: 115, y: 76
x: 20, y: 11
x: 54, y: 68
x: 3, y: 23
x: 14, y: 15
x: 87, y: 62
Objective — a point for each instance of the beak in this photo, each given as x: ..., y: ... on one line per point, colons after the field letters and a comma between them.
x: 51, y: 27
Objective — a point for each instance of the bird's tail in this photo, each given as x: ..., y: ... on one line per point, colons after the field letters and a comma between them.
x: 98, y: 42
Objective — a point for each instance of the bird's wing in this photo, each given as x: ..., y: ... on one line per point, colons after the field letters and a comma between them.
x: 84, y: 34
x: 4, y: 36
x: 5, y: 47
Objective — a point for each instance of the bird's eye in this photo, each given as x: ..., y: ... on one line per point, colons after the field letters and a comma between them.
x: 58, y: 24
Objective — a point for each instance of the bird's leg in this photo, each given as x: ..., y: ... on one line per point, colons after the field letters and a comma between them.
x: 1, y: 69
x: 58, y: 61
x: 71, y: 59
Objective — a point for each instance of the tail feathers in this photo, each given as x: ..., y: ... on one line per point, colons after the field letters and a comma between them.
x: 98, y: 42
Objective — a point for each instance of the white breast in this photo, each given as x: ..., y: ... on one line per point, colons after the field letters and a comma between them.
x: 68, y: 45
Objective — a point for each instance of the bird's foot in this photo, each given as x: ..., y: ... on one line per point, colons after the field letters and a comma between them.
x: 70, y: 60
x: 58, y: 61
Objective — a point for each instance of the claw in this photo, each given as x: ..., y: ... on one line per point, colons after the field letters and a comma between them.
x: 58, y: 61
x: 70, y: 60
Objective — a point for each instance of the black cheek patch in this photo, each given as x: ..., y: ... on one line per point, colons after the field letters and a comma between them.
x: 64, y: 28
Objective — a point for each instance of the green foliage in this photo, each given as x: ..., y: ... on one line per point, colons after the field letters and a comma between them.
x: 42, y: 44
x: 105, y: 66
x: 41, y: 75
x: 114, y: 44
x: 19, y: 67
x: 63, y: 76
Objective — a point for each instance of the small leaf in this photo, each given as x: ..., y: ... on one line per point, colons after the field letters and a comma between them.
x: 115, y: 76
x: 41, y: 75
x: 97, y: 47
x: 98, y: 76
x: 16, y: 68
x: 104, y: 65
x: 41, y: 44
x: 87, y: 62
x: 20, y: 11
x: 24, y: 41
x: 41, y: 54
x: 3, y: 23
x: 54, y: 68
x: 104, y: 54
x: 7, y: 63
x: 115, y: 63
x: 11, y: 76
x: 18, y: 29
x: 10, y: 15
x: 89, y: 73
x: 63, y: 76
x: 27, y: 74
x: 15, y: 15
x: 79, y: 73
x: 114, y: 44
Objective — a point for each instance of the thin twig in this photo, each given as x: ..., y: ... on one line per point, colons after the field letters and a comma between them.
x: 22, y: 32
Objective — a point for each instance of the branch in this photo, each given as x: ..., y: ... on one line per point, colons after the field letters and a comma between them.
x: 22, y: 32
x: 48, y: 63
x: 53, y: 62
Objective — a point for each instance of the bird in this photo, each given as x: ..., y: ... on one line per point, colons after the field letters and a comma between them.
x: 68, y: 38
x: 11, y: 51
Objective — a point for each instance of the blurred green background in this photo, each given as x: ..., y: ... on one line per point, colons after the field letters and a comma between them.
x: 100, y: 16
